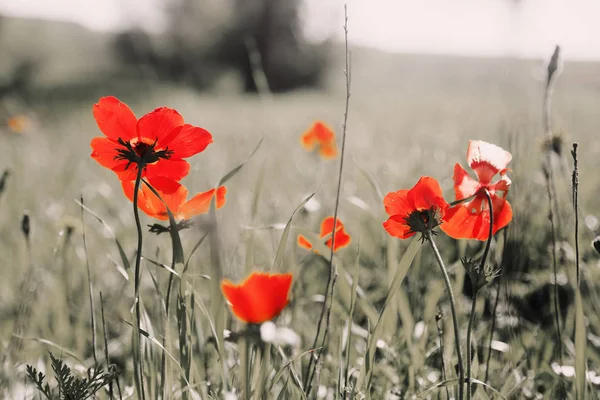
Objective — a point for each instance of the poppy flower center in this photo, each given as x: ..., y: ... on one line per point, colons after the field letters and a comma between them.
x: 423, y: 220
x: 140, y: 152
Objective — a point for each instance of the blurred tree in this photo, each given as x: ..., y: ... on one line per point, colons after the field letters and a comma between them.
x: 206, y: 37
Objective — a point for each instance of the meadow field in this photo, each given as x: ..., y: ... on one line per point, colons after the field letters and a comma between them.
x: 409, y: 116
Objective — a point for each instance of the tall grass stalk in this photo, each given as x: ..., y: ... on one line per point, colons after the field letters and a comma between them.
x: 552, y: 73
x: 90, y: 290
x: 461, y: 370
x: 327, y: 303
x: 580, y: 335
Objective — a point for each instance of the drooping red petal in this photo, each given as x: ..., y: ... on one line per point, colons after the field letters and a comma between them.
x: 158, y: 124
x: 200, y: 203
x: 173, y: 169
x: 464, y: 185
x: 303, y: 242
x: 502, y: 213
x: 259, y: 298
x: 186, y: 141
x: 487, y: 159
x: 150, y: 204
x: 396, y: 226
x: 114, y: 118
x: 396, y: 203
x: 425, y: 194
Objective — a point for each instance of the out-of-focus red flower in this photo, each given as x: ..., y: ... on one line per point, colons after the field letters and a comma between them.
x: 342, y: 239
x: 160, y: 141
x: 322, y: 136
x: 174, y: 195
x: 260, y: 298
x: 419, y: 209
x: 471, y: 219
x: 18, y: 123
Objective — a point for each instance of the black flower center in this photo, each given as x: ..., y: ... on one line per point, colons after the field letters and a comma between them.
x: 423, y: 221
x: 141, y: 153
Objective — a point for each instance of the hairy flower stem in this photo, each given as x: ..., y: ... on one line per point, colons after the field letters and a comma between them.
x: 461, y: 370
x: 138, y: 259
x: 476, y: 290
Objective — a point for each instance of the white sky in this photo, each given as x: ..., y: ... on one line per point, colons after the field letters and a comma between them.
x: 522, y: 28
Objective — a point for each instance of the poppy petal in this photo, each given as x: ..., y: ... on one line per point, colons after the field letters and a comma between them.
x: 461, y: 223
x: 114, y: 118
x: 464, y: 185
x: 186, y: 141
x: 200, y: 203
x: 487, y: 159
x: 328, y: 151
x: 396, y: 203
x: 323, y: 133
x: 147, y: 202
x: 396, y: 226
x: 173, y: 169
x: 152, y: 205
x: 308, y: 140
x: 104, y: 151
x: 259, y: 298
x: 303, y: 242
x: 158, y: 124
x: 502, y: 213
x: 425, y: 194
x: 342, y: 239
x: 327, y: 226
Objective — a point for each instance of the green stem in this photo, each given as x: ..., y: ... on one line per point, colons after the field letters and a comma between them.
x: 476, y: 289
x: 469, y: 355
x: 138, y: 259
x: 461, y: 371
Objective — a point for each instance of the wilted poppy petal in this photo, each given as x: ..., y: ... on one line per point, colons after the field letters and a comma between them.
x: 487, y: 159
x: 502, y: 213
x: 114, y: 118
x: 464, y: 185
x: 396, y: 203
x: 303, y: 242
x: 186, y: 141
x: 200, y: 204
x: 396, y: 226
x: 259, y: 298
x: 425, y: 194
x: 158, y: 124
x: 173, y: 169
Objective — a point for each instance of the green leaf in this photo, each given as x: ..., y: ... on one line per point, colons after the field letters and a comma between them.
x: 284, y: 236
x: 403, y: 267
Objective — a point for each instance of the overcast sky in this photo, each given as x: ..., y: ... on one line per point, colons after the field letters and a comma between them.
x: 521, y: 28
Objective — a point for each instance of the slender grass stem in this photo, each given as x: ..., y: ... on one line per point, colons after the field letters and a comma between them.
x: 138, y: 259
x: 469, y: 352
x: 163, y: 360
x: 327, y: 303
x: 90, y: 289
x: 461, y: 371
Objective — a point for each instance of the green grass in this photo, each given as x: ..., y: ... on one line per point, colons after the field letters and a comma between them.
x: 409, y: 116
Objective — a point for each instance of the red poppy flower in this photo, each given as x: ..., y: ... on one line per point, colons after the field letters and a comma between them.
x: 321, y: 135
x: 471, y: 219
x: 261, y: 297
x: 419, y: 209
x: 342, y: 239
x: 159, y: 140
x: 174, y: 195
